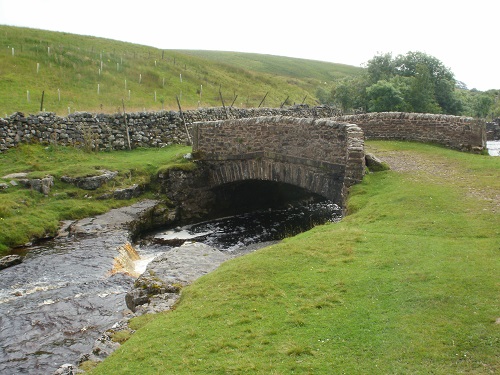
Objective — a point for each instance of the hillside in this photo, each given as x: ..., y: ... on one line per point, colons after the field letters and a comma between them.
x: 84, y: 73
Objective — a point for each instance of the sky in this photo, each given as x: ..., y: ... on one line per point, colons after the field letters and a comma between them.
x: 463, y: 35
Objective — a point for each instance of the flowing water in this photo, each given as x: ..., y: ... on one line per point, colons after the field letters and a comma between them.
x: 64, y: 295
x: 493, y: 148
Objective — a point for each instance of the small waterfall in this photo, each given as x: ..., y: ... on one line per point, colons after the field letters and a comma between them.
x: 124, y: 262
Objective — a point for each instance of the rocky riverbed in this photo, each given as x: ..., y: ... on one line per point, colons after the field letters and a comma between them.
x: 60, y: 299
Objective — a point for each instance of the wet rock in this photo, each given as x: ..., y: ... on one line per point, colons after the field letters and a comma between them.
x: 90, y: 182
x: 9, y: 261
x: 130, y: 217
x: 68, y: 369
x: 170, y: 271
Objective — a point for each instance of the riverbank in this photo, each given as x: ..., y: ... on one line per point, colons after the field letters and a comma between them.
x: 28, y: 215
x: 405, y: 283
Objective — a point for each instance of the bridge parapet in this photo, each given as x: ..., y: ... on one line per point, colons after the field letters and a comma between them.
x: 319, y: 155
x: 456, y: 132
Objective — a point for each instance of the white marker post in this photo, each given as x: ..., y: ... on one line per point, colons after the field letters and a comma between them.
x: 37, y: 67
x: 98, y: 89
x: 28, y: 95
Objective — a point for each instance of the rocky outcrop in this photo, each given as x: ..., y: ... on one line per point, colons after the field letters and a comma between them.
x: 124, y: 193
x: 42, y: 185
x: 158, y: 287
x: 90, y: 182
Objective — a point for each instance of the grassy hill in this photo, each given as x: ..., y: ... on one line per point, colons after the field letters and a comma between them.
x: 84, y: 73
x: 407, y: 283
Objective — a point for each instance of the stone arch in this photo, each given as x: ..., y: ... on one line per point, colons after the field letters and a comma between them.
x: 319, y: 155
x: 318, y: 180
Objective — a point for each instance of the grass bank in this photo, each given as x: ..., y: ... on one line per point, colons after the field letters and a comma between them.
x: 407, y: 283
x: 26, y: 215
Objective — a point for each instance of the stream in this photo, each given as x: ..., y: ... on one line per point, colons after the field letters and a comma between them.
x: 55, y: 304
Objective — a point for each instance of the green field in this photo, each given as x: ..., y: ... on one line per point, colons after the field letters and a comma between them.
x: 407, y: 283
x: 83, y: 73
x: 26, y: 215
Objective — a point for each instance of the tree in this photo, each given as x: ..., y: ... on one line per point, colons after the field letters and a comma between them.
x: 424, y: 82
x: 422, y: 88
x: 383, y: 96
x: 343, y: 95
x: 381, y: 67
x: 441, y: 77
x: 482, y: 105
x: 349, y: 93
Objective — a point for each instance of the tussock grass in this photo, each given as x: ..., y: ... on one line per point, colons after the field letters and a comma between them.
x: 407, y: 283
x: 26, y: 215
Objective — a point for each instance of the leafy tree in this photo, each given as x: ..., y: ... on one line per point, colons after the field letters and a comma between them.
x: 324, y: 96
x: 482, y: 105
x: 344, y: 95
x: 421, y: 93
x: 383, y: 96
x: 437, y: 75
x: 381, y: 67
x: 432, y: 85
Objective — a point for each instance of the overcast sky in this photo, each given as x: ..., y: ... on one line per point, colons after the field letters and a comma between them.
x: 464, y: 35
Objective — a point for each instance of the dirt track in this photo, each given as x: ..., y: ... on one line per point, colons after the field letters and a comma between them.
x: 436, y: 170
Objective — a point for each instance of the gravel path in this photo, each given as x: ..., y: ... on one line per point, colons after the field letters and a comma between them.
x: 436, y: 170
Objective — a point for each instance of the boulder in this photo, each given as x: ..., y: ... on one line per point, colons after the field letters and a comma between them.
x: 90, y: 182
x: 169, y: 272
x: 42, y: 185
x: 123, y: 194
x: 374, y: 164
x: 9, y: 261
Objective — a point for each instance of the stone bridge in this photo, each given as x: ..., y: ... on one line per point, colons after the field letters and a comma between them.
x: 319, y: 155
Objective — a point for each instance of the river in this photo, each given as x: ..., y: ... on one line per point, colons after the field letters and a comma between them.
x: 493, y: 148
x: 55, y: 304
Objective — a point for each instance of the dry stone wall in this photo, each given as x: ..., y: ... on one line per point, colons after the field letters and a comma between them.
x: 108, y: 131
x: 157, y: 129
x: 493, y: 130
x: 461, y: 133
